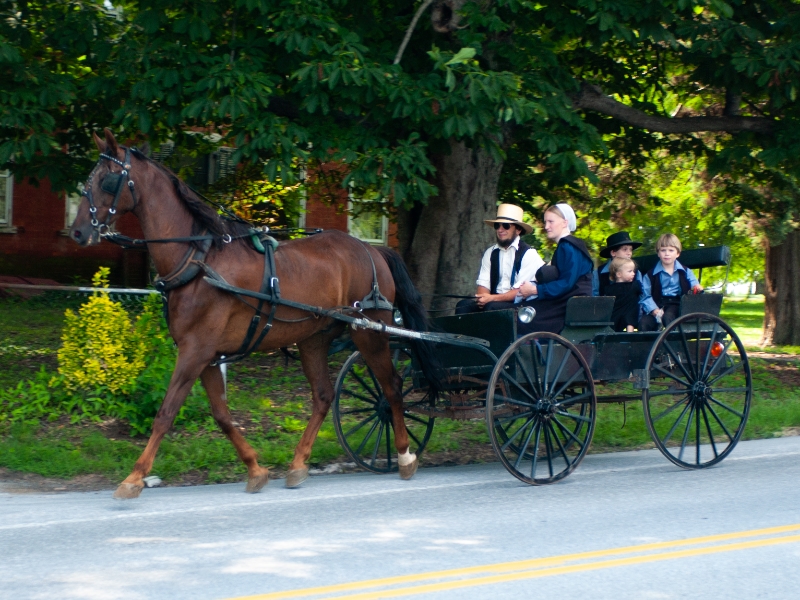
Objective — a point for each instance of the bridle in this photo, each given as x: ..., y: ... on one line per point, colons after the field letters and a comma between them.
x: 112, y: 184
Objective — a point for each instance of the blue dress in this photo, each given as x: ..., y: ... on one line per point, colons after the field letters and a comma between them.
x: 575, y: 268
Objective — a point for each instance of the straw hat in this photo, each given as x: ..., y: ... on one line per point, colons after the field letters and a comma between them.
x: 510, y: 213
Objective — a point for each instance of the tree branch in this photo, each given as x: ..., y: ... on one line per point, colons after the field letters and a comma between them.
x: 410, y: 30
x: 591, y: 97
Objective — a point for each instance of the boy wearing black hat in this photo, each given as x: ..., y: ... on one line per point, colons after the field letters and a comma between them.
x: 618, y: 245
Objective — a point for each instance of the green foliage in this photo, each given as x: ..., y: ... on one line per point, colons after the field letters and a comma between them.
x: 96, y: 393
x: 99, y: 346
x: 293, y: 85
x: 670, y: 194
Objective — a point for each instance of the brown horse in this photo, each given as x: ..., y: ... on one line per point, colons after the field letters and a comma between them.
x: 330, y: 269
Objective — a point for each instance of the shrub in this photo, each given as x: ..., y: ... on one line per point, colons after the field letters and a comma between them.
x: 108, y: 368
x: 99, y: 345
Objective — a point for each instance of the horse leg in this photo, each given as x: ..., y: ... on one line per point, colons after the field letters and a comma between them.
x: 375, y: 350
x: 187, y: 370
x: 257, y: 477
x: 314, y: 357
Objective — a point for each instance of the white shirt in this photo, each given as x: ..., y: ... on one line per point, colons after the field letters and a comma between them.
x: 527, y: 270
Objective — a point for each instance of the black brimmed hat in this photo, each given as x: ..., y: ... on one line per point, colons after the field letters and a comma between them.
x: 615, y: 240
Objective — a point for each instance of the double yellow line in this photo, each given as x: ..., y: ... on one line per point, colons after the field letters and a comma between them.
x: 410, y: 585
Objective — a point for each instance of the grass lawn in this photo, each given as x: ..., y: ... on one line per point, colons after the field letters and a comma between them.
x: 746, y: 316
x: 270, y: 401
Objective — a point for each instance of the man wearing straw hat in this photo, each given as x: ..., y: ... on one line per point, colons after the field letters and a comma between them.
x: 505, y: 266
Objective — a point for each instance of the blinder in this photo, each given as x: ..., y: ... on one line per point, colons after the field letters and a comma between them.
x: 111, y: 182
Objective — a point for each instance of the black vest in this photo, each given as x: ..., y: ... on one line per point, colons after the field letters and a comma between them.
x: 494, y: 271
x: 583, y: 286
x: 655, y: 285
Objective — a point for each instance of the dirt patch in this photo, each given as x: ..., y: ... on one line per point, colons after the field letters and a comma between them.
x: 788, y: 432
x: 771, y: 357
x: 788, y: 374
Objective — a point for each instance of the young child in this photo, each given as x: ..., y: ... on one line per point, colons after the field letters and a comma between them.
x: 618, y: 245
x: 664, y: 284
x: 626, y: 291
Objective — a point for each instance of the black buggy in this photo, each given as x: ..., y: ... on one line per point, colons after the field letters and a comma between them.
x: 539, y: 393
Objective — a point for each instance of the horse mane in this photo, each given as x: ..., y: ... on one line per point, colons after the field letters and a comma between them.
x: 205, y: 216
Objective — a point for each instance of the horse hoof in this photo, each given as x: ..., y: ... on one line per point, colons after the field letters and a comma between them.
x: 296, y: 477
x: 128, y: 491
x: 254, y: 484
x: 407, y: 471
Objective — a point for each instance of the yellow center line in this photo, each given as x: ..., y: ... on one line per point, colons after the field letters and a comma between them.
x: 592, y: 566
x: 525, y: 566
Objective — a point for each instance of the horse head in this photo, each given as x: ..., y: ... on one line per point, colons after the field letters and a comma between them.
x: 107, y: 194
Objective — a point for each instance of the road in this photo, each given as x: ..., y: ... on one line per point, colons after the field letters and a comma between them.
x: 624, y: 525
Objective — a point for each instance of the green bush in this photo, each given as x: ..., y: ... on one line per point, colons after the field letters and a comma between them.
x: 99, y: 347
x: 103, y: 389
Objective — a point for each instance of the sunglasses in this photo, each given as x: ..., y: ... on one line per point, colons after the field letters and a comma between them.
x: 503, y: 225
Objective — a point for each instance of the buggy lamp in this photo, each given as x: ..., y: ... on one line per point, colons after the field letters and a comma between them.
x: 397, y: 318
x: 526, y: 314
x: 717, y: 349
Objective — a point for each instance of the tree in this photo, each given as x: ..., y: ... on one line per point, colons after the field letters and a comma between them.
x: 442, y: 106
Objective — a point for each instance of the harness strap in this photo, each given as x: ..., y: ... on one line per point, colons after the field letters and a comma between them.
x: 269, y: 292
x: 186, y: 270
x: 374, y: 300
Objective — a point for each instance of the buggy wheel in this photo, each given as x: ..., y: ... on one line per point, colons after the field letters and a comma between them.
x: 541, y: 408
x: 699, y: 391
x: 362, y: 416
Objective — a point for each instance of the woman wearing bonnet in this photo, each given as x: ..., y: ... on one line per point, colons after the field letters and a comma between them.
x: 569, y: 274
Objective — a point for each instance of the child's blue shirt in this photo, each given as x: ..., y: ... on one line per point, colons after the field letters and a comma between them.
x: 670, y: 285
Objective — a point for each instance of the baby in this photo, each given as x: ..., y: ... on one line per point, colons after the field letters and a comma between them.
x: 626, y: 291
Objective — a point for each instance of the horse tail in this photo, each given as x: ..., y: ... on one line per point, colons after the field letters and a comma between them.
x: 415, y: 317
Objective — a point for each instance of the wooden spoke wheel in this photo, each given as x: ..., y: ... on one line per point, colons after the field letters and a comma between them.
x: 541, y: 408
x: 362, y: 416
x: 699, y: 391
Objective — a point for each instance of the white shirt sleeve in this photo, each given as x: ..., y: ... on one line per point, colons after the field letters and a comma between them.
x: 484, y: 277
x: 531, y: 263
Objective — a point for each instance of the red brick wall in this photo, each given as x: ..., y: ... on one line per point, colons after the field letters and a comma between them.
x: 40, y: 249
x: 325, y: 216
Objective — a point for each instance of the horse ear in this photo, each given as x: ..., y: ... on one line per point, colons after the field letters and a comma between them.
x: 111, y: 142
x: 101, y: 145
x: 145, y: 149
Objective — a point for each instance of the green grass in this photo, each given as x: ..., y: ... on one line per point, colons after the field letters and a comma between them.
x: 270, y: 401
x: 746, y: 317
x: 775, y: 407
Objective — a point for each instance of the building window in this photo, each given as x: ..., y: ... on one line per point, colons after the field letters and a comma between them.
x: 6, y: 197
x: 164, y: 152
x: 367, y: 222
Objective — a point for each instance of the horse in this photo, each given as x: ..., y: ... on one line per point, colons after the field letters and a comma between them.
x: 329, y: 269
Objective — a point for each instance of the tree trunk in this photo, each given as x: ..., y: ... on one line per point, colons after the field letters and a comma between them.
x: 782, y: 294
x: 443, y: 243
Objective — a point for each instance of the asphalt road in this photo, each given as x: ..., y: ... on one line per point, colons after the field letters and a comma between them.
x: 625, y: 525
